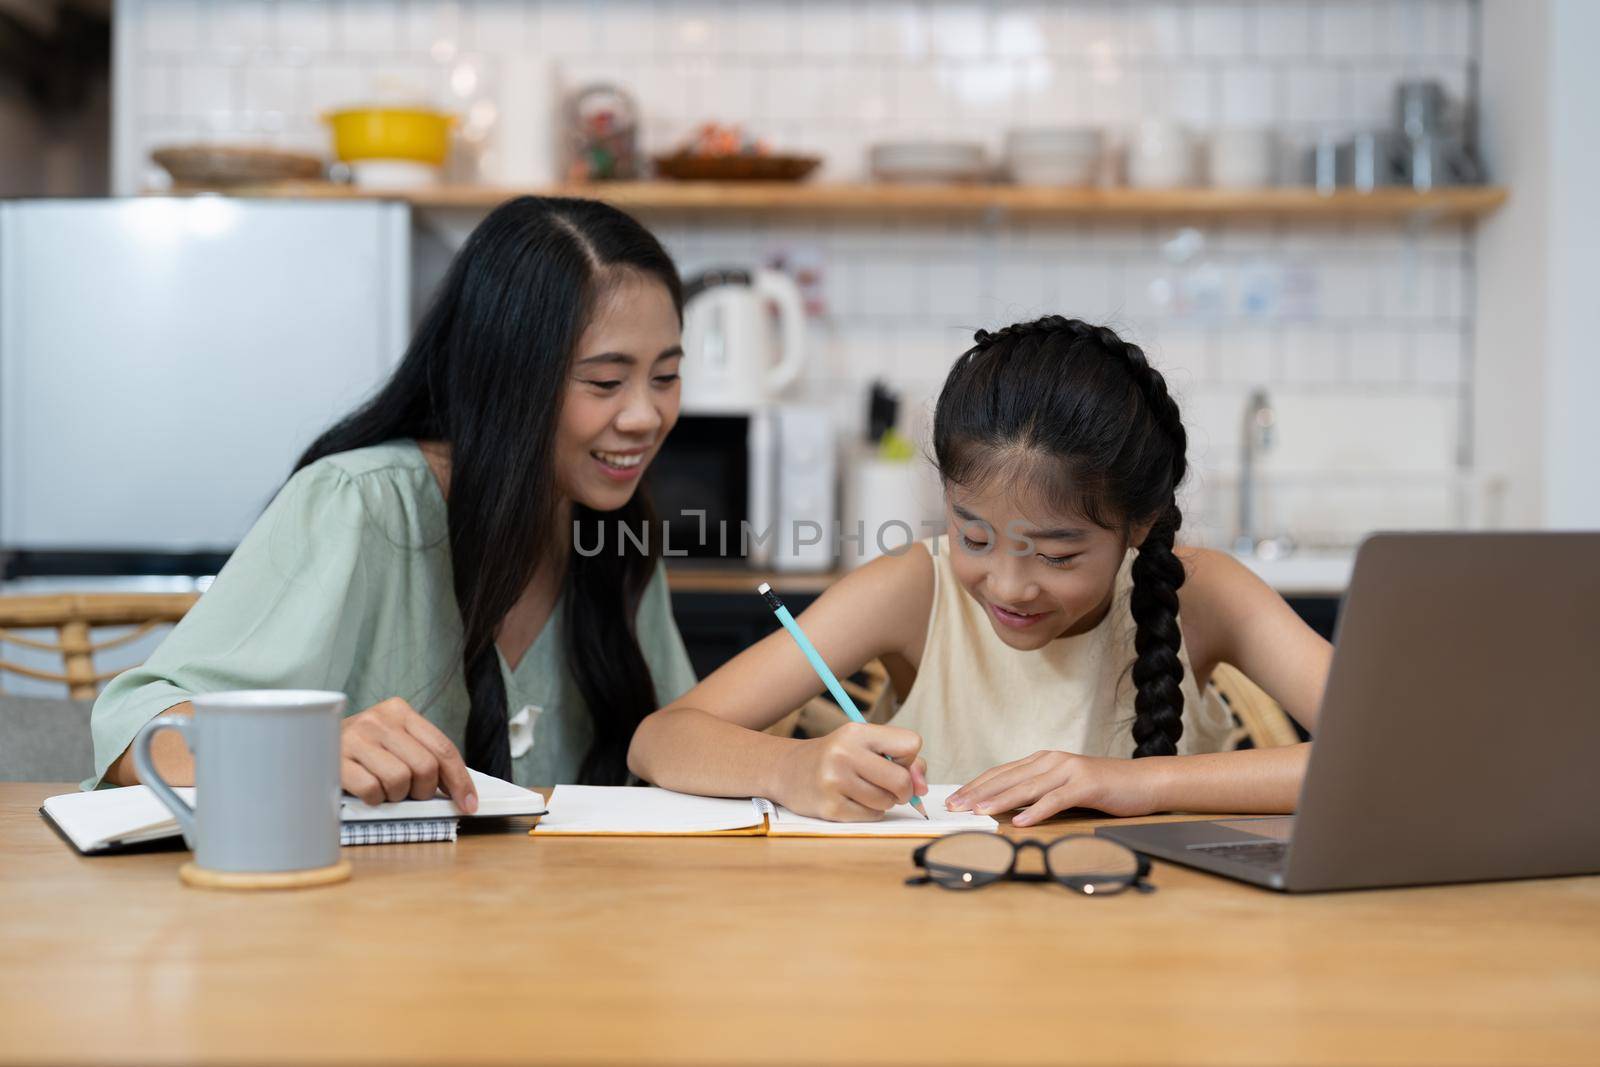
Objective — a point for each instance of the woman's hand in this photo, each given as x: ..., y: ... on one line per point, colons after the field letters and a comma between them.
x: 390, y: 752
x: 844, y: 777
x: 1049, y: 782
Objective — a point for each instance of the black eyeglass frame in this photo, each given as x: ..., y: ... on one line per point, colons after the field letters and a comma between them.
x: 1137, y: 880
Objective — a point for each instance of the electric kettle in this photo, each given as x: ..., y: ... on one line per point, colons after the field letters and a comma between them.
x: 735, y: 356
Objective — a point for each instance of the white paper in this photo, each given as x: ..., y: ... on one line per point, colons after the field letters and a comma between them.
x: 496, y: 797
x: 106, y: 817
x: 598, y: 809
x: 899, y: 821
x: 587, y: 809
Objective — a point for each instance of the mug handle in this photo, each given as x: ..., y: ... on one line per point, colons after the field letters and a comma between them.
x: 147, y: 771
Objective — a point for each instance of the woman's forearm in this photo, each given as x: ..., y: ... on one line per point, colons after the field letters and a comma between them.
x: 1255, y: 780
x: 167, y: 751
x: 693, y: 751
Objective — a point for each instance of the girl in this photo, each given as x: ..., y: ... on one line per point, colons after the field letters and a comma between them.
x: 421, y: 559
x: 1061, y: 453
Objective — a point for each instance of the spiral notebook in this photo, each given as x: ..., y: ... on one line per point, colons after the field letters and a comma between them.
x: 110, y: 820
x: 397, y: 831
x: 634, y: 811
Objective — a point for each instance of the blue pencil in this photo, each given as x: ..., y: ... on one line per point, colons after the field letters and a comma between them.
x: 821, y: 667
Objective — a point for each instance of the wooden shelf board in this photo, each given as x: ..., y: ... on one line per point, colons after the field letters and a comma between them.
x: 689, y: 578
x: 883, y: 199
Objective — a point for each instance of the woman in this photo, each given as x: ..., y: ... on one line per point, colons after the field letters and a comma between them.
x: 421, y: 559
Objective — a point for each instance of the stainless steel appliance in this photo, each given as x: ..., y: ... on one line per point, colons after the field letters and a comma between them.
x: 757, y: 487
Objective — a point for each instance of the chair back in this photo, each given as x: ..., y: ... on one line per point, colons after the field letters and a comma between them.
x: 1260, y: 718
x: 74, y: 617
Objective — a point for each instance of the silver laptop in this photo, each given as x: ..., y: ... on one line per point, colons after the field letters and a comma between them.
x: 1459, y: 738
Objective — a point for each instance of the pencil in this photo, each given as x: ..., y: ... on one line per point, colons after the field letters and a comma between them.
x: 821, y: 667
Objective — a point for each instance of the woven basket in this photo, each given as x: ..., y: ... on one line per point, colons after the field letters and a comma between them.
x: 206, y: 165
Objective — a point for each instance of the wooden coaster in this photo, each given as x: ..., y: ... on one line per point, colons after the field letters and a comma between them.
x: 202, y: 878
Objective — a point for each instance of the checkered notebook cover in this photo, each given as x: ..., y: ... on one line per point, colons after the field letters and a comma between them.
x: 397, y: 831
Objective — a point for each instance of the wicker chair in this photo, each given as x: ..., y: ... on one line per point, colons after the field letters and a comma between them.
x: 1260, y: 718
x: 74, y: 617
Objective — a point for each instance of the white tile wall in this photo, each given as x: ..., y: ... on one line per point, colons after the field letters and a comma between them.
x: 1362, y: 331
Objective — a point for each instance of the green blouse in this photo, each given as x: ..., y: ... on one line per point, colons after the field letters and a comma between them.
x: 345, y: 584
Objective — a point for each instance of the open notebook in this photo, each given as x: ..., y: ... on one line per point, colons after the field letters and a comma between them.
x: 593, y: 810
x: 105, y: 820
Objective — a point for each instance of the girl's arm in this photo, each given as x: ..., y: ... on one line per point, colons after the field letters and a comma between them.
x: 709, y: 740
x: 1256, y: 780
x: 1229, y: 615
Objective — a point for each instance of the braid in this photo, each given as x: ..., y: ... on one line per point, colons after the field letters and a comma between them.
x: 1050, y: 324
x: 1157, y: 572
x: 1154, y: 389
x: 1157, y: 576
x: 1157, y: 671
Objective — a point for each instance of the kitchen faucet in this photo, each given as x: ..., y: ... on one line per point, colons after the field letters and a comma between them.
x: 1259, y: 419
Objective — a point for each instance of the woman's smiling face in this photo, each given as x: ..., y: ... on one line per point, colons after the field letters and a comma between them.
x: 1038, y: 572
x: 622, y: 395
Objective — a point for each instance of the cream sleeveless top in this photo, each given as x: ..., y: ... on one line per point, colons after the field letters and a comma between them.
x: 979, y: 703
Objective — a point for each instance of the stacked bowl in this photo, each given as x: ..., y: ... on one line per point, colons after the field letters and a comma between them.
x: 1055, y: 155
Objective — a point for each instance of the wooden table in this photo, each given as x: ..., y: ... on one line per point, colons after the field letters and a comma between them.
x: 501, y: 949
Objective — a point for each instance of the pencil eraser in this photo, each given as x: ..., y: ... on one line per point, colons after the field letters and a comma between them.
x: 763, y: 588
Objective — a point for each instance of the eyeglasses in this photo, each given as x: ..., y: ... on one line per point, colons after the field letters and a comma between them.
x: 1088, y: 864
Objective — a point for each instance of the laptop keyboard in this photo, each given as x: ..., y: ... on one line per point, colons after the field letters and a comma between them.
x: 1255, y: 853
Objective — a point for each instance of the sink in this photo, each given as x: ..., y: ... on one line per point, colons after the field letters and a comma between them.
x: 1303, y: 573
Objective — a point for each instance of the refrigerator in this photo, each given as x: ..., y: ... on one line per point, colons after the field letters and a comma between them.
x: 163, y: 361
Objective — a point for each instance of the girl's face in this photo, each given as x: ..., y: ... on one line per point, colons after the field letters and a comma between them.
x: 622, y: 396
x: 1039, y: 575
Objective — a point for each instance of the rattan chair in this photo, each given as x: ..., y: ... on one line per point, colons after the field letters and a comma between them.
x: 1260, y: 718
x: 75, y: 617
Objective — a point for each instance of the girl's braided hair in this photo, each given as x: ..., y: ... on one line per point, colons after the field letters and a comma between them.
x: 1089, y: 405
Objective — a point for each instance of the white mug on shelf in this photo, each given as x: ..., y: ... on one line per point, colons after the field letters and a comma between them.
x: 1160, y: 155
x: 1242, y: 158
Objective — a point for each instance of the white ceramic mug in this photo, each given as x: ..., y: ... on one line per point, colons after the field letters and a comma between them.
x: 1160, y: 155
x: 1243, y: 158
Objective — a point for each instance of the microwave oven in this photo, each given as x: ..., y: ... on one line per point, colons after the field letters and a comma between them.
x: 756, y: 486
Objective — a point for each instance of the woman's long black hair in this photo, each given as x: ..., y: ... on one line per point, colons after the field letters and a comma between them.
x: 1112, y: 442
x: 486, y: 372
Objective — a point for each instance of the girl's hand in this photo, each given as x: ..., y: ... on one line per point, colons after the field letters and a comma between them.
x: 844, y: 777
x: 1049, y: 782
x: 390, y: 752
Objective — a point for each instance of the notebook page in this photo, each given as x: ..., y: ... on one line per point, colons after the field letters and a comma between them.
x: 899, y: 821
x: 105, y: 817
x: 496, y: 796
x: 601, y: 809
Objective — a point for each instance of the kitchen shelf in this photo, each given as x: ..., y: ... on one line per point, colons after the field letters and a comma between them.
x: 889, y: 200
x: 712, y: 578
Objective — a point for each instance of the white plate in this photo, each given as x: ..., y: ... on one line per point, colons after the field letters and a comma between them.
x: 928, y: 161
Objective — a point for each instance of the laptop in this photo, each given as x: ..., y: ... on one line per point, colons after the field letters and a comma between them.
x: 1459, y: 737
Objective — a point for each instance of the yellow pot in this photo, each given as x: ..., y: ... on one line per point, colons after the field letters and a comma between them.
x: 390, y: 133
